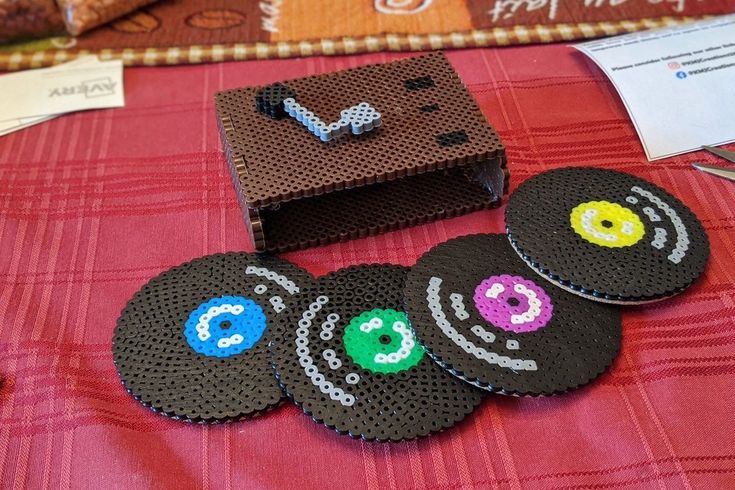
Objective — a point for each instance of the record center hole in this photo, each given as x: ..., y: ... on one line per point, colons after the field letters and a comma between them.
x: 225, y: 325
x: 513, y: 301
x: 606, y: 223
x: 385, y: 339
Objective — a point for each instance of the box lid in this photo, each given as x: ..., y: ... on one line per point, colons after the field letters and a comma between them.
x: 429, y: 122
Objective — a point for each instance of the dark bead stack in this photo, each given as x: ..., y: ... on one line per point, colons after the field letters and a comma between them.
x: 269, y: 100
x: 453, y: 138
x: 419, y: 83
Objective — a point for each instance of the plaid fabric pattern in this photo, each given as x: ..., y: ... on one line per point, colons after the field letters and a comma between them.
x: 94, y: 204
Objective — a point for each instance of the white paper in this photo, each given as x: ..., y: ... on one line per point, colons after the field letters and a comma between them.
x: 677, y: 83
x: 10, y: 125
x: 22, y: 123
x: 65, y: 88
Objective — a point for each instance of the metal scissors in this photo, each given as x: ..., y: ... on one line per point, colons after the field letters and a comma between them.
x: 724, y: 172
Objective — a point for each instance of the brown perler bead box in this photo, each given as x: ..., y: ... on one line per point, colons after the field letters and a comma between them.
x: 424, y: 152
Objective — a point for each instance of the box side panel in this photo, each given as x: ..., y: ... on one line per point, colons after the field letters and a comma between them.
x: 236, y: 167
x: 392, y: 205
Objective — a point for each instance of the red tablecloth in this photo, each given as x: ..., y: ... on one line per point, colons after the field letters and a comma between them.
x: 92, y: 205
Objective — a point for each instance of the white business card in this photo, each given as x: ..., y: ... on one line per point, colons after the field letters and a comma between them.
x: 81, y: 85
x: 15, y: 124
x: 11, y: 125
x: 677, y: 83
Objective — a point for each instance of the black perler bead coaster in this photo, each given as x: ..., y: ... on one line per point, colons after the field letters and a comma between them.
x: 487, y: 318
x: 347, y: 355
x: 192, y: 343
x: 606, y: 235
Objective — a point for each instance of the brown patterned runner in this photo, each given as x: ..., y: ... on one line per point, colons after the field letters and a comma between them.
x: 197, y: 31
